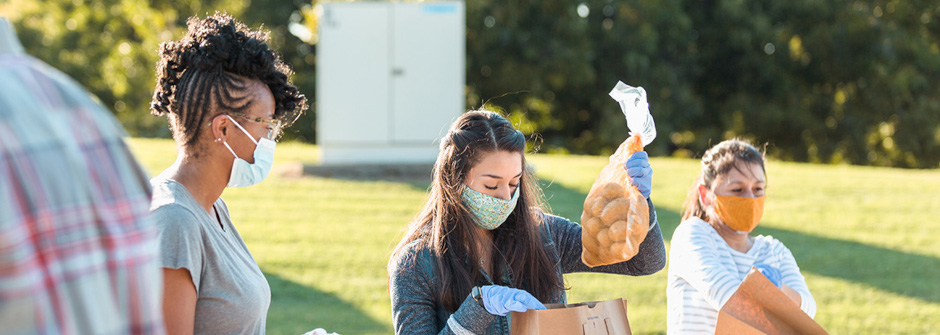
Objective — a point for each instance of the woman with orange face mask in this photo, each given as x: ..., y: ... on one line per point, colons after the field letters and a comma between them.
x: 712, y: 250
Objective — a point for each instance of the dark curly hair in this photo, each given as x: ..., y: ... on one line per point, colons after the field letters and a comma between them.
x: 204, y: 70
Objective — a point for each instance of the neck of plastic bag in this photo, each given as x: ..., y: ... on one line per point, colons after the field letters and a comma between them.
x: 637, y: 112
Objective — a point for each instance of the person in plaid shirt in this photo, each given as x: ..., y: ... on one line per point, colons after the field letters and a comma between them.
x: 78, y: 254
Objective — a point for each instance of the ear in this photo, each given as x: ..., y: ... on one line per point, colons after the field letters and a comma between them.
x: 219, y: 127
x: 703, y: 196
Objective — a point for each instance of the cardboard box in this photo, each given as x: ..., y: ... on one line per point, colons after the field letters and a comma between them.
x: 759, y: 307
x: 588, y: 318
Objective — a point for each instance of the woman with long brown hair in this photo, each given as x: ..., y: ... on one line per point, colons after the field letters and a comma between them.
x: 482, y: 246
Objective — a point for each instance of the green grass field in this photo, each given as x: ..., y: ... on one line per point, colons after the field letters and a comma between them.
x: 864, y: 237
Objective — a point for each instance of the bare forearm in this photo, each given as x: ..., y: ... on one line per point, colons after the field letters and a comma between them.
x: 179, y: 302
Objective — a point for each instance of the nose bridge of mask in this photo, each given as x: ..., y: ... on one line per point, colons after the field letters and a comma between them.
x: 738, y: 206
x: 512, y: 197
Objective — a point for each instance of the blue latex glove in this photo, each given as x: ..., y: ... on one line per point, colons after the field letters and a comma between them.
x: 639, y: 170
x: 500, y: 300
x: 771, y: 273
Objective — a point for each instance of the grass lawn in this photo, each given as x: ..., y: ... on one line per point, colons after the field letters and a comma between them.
x: 865, y: 238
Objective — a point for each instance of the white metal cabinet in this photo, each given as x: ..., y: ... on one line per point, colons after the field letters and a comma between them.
x: 390, y: 79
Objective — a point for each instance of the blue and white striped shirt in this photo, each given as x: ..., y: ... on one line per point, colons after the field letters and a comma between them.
x: 704, y: 271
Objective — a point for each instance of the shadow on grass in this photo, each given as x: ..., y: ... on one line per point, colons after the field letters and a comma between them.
x: 406, y: 173
x: 417, y: 176
x: 898, y: 272
x: 296, y: 309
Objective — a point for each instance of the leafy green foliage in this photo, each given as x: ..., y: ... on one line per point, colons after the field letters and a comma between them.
x: 107, y: 46
x: 568, y: 61
x: 832, y: 82
x: 110, y: 46
x: 839, y: 82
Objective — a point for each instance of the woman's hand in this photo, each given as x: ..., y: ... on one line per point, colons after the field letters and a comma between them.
x: 776, y: 278
x: 640, y: 172
x: 771, y: 273
x: 500, y: 300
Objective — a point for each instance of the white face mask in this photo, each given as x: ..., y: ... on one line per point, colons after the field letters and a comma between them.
x: 245, y: 174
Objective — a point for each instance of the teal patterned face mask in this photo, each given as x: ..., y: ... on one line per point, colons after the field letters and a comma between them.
x: 488, y: 212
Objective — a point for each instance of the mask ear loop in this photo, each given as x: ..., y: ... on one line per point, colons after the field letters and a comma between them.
x: 243, y: 130
x: 702, y: 197
x: 230, y: 149
x: 709, y: 209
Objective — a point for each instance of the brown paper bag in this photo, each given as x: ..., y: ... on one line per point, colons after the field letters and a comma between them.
x: 588, y: 318
x: 759, y: 307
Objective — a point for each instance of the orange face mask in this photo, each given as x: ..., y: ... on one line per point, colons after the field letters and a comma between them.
x: 741, y: 214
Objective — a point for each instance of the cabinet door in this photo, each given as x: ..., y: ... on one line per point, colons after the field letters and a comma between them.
x: 353, y: 74
x: 428, y: 53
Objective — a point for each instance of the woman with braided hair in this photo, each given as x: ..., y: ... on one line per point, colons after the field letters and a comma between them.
x: 227, y: 96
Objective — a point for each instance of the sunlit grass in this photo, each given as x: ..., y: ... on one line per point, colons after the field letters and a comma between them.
x: 864, y: 237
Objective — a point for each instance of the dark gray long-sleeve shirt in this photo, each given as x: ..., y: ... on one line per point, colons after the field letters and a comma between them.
x: 415, y: 286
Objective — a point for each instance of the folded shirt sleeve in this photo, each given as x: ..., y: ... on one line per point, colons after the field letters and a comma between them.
x: 181, y: 245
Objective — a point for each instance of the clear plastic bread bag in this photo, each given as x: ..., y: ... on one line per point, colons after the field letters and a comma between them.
x: 615, y: 219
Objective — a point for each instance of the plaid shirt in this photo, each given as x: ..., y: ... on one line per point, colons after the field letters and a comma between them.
x: 77, y: 255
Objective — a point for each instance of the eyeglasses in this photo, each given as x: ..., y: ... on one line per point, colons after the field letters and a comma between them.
x: 273, y: 125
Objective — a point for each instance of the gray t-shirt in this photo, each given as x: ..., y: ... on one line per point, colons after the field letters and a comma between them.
x: 233, y: 295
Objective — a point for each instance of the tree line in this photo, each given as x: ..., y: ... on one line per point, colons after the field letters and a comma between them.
x: 817, y: 81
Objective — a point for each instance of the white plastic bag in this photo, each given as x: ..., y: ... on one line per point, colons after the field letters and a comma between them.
x: 319, y: 331
x: 637, y: 111
x: 615, y: 219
